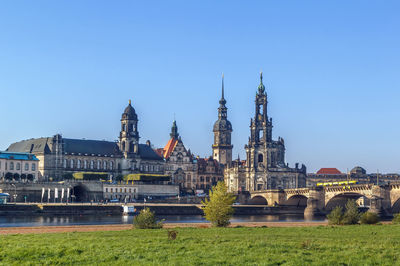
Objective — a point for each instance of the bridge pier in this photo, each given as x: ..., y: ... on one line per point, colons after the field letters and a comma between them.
x: 378, y: 206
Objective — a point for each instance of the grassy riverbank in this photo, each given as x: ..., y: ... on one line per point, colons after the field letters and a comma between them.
x: 347, y: 245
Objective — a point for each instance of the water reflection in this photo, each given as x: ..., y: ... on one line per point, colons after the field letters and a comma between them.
x: 28, y: 221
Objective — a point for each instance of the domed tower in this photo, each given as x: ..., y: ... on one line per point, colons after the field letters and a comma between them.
x: 222, y: 147
x: 129, y: 135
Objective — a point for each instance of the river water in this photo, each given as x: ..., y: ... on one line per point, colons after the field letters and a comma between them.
x: 28, y: 221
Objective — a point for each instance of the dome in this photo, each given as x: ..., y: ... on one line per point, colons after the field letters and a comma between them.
x: 358, y: 170
x: 129, y: 112
x: 222, y: 124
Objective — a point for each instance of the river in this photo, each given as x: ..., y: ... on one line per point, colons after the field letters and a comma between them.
x: 29, y: 221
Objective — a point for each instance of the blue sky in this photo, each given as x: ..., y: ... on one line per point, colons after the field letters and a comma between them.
x: 331, y: 69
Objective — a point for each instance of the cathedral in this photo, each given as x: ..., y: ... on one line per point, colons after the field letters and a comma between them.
x: 264, y: 167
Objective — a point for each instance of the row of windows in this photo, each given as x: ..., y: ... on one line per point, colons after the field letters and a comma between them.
x: 121, y: 190
x: 150, y: 168
x: 88, y: 164
x: 18, y: 165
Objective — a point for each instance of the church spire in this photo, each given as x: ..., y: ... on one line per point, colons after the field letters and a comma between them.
x: 222, y: 101
x: 261, y: 87
x: 174, y: 131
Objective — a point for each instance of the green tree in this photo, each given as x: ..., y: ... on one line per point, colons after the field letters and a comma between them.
x: 335, y: 217
x: 369, y: 218
x: 351, y: 215
x: 218, y: 208
x: 146, y: 219
x: 396, y: 219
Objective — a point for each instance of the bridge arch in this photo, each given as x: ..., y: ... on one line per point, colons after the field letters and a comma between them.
x: 297, y: 200
x: 258, y: 200
x: 396, y: 206
x: 341, y: 199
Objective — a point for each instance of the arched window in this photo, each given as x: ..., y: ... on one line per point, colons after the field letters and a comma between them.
x: 72, y: 163
x: 33, y: 167
x: 91, y: 164
x: 11, y: 166
x: 98, y: 164
x: 26, y: 167
x: 111, y: 165
x: 105, y: 165
x: 123, y: 146
x: 260, y: 158
x: 78, y: 164
x: 131, y: 147
x: 84, y: 164
x: 18, y: 166
x: 65, y: 163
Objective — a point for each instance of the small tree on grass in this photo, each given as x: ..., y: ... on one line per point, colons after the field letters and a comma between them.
x: 351, y: 215
x: 369, y: 218
x: 335, y: 217
x: 146, y: 220
x: 218, y: 208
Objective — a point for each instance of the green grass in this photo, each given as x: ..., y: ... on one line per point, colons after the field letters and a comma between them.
x: 345, y: 245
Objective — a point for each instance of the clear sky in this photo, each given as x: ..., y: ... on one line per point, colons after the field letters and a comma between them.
x: 331, y: 69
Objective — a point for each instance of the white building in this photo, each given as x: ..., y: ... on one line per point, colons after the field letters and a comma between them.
x: 15, y: 166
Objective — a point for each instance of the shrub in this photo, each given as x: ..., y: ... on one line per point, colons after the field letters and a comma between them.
x: 172, y: 234
x: 369, y: 218
x: 396, y: 219
x: 351, y: 215
x: 335, y: 217
x: 218, y: 208
x: 146, y: 220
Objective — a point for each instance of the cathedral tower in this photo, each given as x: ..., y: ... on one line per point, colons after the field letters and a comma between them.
x: 222, y: 147
x: 129, y: 135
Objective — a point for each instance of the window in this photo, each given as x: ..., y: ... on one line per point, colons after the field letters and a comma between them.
x: 72, y: 163
x: 98, y: 164
x: 65, y: 163
x: 91, y: 164
x: 26, y: 167
x: 130, y: 190
x: 111, y: 165
x: 260, y: 158
x: 85, y: 164
x: 207, y: 179
x: 33, y: 167
x: 78, y: 164
x: 106, y: 189
x: 11, y: 166
x: 111, y: 190
x: 18, y: 166
x: 105, y: 165
x: 123, y: 127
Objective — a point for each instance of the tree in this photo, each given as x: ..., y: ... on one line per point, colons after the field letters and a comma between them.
x: 146, y: 220
x: 218, y: 208
x: 351, y: 215
x: 335, y: 217
x: 369, y: 218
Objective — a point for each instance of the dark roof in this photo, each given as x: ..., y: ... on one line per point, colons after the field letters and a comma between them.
x: 96, y: 147
x: 222, y: 124
x: 129, y: 113
x: 40, y: 145
x: 146, y: 152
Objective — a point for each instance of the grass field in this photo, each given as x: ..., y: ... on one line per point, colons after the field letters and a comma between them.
x: 346, y: 245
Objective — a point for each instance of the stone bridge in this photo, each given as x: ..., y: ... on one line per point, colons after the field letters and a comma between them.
x: 384, y: 200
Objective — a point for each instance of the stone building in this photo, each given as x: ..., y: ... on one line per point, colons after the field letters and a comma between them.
x: 16, y: 166
x: 210, y: 171
x: 265, y: 166
x: 179, y: 162
x: 60, y: 156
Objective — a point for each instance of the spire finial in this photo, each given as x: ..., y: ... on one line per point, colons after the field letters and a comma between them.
x: 261, y: 76
x: 129, y: 101
x: 222, y: 85
x: 261, y: 87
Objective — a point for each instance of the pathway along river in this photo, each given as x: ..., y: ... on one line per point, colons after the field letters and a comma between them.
x: 29, y: 221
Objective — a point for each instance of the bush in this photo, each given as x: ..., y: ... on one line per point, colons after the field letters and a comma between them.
x: 146, y: 220
x: 218, y: 208
x: 369, y: 218
x: 351, y: 215
x: 335, y: 217
x: 396, y: 219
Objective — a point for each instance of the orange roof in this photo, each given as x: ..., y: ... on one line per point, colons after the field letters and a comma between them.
x: 159, y: 151
x: 328, y: 171
x: 169, y: 147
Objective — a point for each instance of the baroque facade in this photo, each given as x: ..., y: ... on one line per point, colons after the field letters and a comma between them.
x: 264, y: 167
x: 59, y: 156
